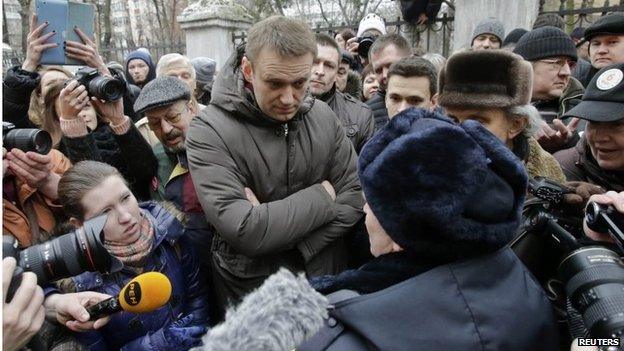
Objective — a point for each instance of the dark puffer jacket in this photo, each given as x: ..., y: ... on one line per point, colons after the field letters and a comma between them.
x: 231, y: 145
x: 17, y: 87
x: 377, y: 103
x: 579, y: 164
x: 355, y: 116
x: 488, y: 303
x: 171, y: 255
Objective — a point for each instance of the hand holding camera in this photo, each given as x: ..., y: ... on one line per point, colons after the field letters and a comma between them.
x: 70, y: 310
x: 612, y: 203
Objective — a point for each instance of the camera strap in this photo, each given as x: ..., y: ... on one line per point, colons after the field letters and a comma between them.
x: 33, y: 221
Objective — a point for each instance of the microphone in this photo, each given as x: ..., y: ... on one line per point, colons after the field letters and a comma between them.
x: 279, y: 315
x: 145, y: 293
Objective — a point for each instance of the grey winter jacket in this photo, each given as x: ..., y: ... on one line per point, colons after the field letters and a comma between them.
x: 232, y: 145
x: 356, y: 117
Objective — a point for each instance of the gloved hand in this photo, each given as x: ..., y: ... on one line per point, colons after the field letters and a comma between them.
x: 582, y: 192
x: 182, y: 335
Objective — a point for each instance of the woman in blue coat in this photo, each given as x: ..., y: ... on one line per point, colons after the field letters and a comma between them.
x: 144, y: 237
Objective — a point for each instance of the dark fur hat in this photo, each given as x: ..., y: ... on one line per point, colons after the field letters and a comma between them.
x: 485, y: 78
x: 439, y: 188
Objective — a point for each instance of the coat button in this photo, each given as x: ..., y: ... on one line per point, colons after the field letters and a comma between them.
x: 332, y: 322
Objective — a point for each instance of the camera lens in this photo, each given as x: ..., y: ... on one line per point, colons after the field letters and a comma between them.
x: 364, y: 46
x: 106, y: 88
x: 595, y: 285
x: 69, y: 255
x: 28, y: 140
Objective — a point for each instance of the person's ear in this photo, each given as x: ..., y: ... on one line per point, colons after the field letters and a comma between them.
x: 75, y: 222
x: 517, y: 126
x: 247, y: 69
x: 434, y: 102
x: 193, y: 106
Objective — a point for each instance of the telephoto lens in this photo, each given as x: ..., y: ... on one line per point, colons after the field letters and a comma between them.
x: 102, y: 87
x: 28, y: 139
x: 594, y: 278
x: 69, y: 255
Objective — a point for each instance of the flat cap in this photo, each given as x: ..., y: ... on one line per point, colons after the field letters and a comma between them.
x: 162, y: 91
x: 612, y: 23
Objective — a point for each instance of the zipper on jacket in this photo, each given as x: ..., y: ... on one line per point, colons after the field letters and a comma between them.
x: 285, y: 126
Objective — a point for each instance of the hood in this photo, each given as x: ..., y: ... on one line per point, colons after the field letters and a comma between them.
x: 230, y: 94
x: 151, y: 74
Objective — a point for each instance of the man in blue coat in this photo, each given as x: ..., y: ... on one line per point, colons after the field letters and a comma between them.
x: 443, y: 200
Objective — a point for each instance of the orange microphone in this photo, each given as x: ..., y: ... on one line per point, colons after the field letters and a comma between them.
x: 145, y: 293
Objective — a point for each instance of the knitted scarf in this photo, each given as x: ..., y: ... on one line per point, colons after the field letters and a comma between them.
x: 133, y: 254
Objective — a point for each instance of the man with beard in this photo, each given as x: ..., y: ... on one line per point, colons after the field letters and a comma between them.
x: 166, y: 103
x: 273, y: 167
x: 355, y: 117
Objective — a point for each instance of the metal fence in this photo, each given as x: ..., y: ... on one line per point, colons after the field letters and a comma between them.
x: 422, y: 36
x: 585, y: 14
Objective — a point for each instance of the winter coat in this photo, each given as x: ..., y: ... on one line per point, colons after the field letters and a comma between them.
x: 579, y: 164
x: 354, y: 85
x: 231, y: 145
x: 15, y: 219
x: 377, y: 103
x: 128, y: 152
x: 552, y: 109
x: 172, y: 255
x: 487, y: 303
x: 17, y: 87
x: 356, y: 117
x: 540, y: 163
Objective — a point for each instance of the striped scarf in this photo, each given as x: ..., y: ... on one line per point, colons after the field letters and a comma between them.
x: 134, y: 254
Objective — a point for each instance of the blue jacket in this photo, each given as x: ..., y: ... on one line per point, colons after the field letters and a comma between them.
x: 173, y: 256
x: 488, y: 303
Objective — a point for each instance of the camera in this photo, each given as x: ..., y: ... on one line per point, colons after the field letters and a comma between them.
x: 26, y: 139
x: 364, y: 45
x: 65, y: 256
x: 592, y: 273
x: 102, y: 87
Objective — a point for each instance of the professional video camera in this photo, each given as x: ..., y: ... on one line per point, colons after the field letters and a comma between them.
x: 102, y: 87
x: 66, y: 256
x: 26, y: 139
x: 554, y: 248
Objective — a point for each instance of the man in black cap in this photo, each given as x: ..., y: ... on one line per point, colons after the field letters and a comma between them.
x: 606, y: 40
x: 598, y: 158
x: 553, y: 56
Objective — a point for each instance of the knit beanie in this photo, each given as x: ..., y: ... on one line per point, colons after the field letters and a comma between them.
x: 514, y: 36
x: 145, y: 57
x: 452, y: 199
x: 545, y: 42
x: 489, y: 26
x: 205, y: 69
x: 549, y: 19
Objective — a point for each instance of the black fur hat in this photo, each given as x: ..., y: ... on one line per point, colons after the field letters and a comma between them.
x: 485, y: 78
x: 440, y: 188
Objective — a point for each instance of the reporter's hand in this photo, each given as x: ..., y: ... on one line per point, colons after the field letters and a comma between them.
x: 70, y: 310
x: 329, y: 188
x: 352, y: 46
x: 36, y: 44
x: 110, y: 111
x: 5, y: 162
x: 23, y: 316
x: 582, y: 192
x: 609, y: 198
x: 557, y: 136
x: 72, y: 99
x: 35, y: 169
x: 86, y: 51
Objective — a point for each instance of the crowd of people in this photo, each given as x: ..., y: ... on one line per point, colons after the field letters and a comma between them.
x: 394, y: 179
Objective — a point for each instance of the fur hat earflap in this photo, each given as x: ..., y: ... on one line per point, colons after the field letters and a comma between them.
x: 438, y: 187
x: 485, y: 78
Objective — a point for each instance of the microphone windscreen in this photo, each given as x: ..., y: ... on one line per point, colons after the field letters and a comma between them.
x: 145, y: 293
x: 279, y: 315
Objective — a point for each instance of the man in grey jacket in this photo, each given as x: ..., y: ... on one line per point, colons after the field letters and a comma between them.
x: 356, y: 117
x: 273, y: 169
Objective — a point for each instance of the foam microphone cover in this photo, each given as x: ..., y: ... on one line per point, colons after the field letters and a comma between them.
x: 145, y: 293
x: 279, y: 315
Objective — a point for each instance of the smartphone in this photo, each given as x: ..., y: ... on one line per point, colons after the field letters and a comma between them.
x: 63, y: 16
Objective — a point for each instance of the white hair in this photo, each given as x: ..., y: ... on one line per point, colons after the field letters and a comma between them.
x: 169, y: 60
x: 534, y: 119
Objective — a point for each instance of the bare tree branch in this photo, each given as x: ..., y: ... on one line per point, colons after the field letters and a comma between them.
x: 323, y: 12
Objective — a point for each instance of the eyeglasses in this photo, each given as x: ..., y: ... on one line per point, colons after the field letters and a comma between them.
x: 155, y: 124
x: 556, y: 65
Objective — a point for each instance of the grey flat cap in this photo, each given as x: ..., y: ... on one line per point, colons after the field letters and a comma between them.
x: 162, y: 91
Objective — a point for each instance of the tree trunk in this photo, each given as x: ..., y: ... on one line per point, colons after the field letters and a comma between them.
x: 25, y: 13
x: 107, y: 32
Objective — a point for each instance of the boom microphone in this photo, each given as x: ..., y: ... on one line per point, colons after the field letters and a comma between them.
x: 145, y: 293
x: 280, y: 315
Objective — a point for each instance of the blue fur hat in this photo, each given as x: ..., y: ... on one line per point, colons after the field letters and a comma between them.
x: 440, y: 188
